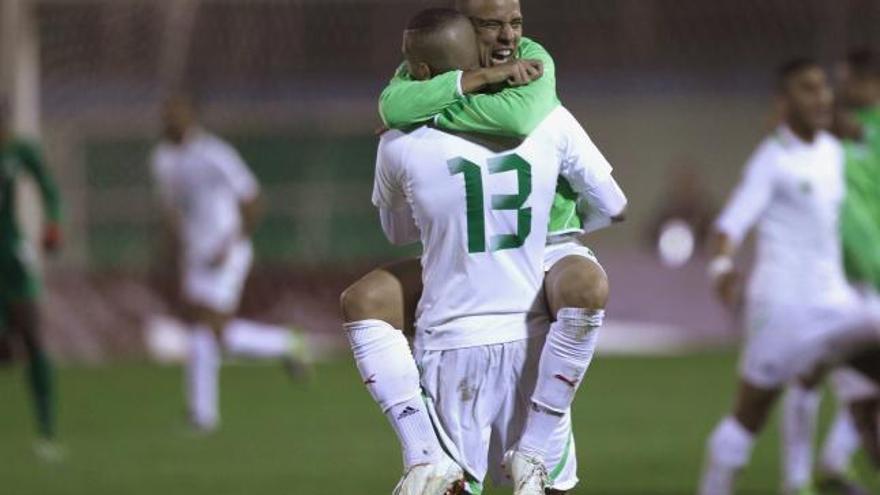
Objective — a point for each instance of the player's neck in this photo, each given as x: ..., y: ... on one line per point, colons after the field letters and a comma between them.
x: 803, y: 132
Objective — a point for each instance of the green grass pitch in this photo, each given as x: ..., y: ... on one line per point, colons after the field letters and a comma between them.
x: 640, y: 425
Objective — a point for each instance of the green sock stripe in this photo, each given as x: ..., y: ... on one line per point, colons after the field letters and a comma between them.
x: 562, y: 462
x: 474, y: 487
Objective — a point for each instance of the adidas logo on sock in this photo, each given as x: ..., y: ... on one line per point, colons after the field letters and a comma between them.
x: 407, y: 411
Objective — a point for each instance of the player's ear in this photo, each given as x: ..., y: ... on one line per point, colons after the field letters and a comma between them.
x: 420, y: 71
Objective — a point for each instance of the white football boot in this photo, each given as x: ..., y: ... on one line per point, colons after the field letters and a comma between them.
x: 444, y: 477
x: 528, y: 473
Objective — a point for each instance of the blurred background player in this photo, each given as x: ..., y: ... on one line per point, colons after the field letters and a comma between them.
x: 19, y: 286
x: 575, y: 281
x: 857, y: 124
x: 792, y: 188
x: 211, y: 202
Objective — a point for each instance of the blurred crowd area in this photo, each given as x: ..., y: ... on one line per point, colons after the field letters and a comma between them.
x: 675, y: 92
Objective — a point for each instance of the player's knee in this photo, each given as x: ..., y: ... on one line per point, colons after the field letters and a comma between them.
x: 584, y: 285
x: 372, y: 298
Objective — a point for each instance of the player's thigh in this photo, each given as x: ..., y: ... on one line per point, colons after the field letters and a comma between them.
x: 781, y: 344
x: 753, y: 405
x: 463, y: 395
x: 212, y: 294
x: 389, y: 293
x: 573, y: 278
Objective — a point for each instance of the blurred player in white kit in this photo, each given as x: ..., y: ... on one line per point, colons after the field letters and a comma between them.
x: 798, y: 294
x: 211, y: 204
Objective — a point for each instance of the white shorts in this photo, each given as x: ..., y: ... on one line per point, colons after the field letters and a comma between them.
x: 479, y: 399
x: 850, y: 386
x: 571, y: 247
x: 789, y: 340
x: 218, y: 288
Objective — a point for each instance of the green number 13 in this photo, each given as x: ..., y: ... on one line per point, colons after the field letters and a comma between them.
x: 475, y: 204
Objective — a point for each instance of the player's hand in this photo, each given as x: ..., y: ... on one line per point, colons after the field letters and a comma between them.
x: 727, y: 288
x: 220, y: 257
x: 52, y: 237
x: 515, y: 73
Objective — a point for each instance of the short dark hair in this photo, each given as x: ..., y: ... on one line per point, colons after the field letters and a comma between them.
x: 864, y: 62
x: 793, y: 67
x: 433, y: 18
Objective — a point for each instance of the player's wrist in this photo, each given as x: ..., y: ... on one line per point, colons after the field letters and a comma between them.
x: 720, y: 266
x: 473, y: 80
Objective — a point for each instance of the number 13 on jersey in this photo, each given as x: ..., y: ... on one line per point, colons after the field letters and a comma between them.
x: 476, y: 205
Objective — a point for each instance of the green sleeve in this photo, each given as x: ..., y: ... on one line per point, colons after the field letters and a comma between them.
x: 405, y: 102
x: 512, y: 111
x: 859, y: 224
x: 32, y: 159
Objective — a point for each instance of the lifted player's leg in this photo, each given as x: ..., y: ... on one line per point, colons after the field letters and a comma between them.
x: 577, y: 290
x: 376, y: 309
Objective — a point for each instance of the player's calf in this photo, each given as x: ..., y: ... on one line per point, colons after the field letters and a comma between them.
x: 578, y: 287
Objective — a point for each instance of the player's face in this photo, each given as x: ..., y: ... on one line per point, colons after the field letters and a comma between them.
x: 809, y: 99
x: 177, y: 118
x: 499, y: 25
x: 859, y: 91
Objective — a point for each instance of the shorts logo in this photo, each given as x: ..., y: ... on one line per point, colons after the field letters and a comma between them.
x: 371, y: 380
x: 568, y: 381
x: 407, y: 412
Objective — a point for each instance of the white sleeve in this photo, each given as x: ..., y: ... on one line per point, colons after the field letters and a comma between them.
x: 751, y: 196
x: 399, y: 226
x: 588, y: 173
x: 395, y: 213
x: 235, y: 171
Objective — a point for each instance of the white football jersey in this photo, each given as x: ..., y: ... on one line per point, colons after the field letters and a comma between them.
x: 205, y: 180
x: 792, y: 190
x: 482, y: 218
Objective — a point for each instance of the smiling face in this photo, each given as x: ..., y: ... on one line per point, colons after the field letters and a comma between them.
x: 498, y: 24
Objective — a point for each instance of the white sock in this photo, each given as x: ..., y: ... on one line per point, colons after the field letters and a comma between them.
x: 389, y: 371
x: 202, y: 377
x: 728, y: 450
x: 841, y: 443
x: 257, y: 340
x: 800, y: 409
x: 566, y: 355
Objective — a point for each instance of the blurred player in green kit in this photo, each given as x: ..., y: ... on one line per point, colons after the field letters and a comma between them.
x: 858, y: 126
x: 19, y: 286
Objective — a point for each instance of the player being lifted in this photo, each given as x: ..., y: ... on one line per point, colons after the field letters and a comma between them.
x: 19, y: 286
x: 481, y: 208
x: 211, y: 203
x: 798, y: 294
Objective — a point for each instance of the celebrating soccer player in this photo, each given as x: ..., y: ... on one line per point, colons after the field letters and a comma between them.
x: 576, y: 285
x: 798, y: 296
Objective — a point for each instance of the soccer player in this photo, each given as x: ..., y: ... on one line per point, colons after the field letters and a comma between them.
x: 211, y: 203
x: 858, y: 125
x: 798, y: 294
x: 19, y: 287
x: 481, y: 207
x: 383, y: 300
